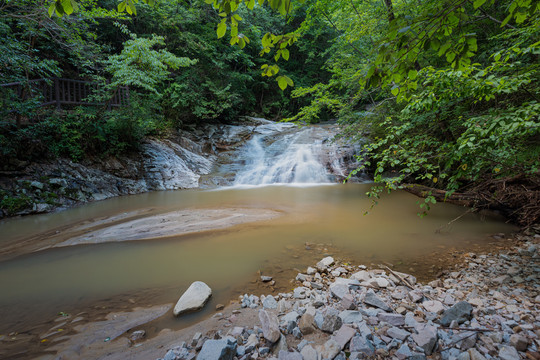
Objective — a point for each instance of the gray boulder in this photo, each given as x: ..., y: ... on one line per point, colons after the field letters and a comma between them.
x: 269, y: 302
x: 426, y: 339
x: 362, y: 345
x: 270, y: 326
x: 223, y: 349
x: 460, y: 312
x: 374, y: 300
x: 331, y: 321
x: 508, y: 353
x: 195, y: 297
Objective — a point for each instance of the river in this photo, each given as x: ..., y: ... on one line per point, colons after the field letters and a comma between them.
x: 315, y: 217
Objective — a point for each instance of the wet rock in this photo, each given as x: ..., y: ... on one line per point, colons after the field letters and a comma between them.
x: 223, y: 349
x: 266, y: 278
x: 344, y: 335
x: 193, y: 299
x: 374, y: 300
x: 137, y: 335
x: 460, y: 312
x: 270, y: 327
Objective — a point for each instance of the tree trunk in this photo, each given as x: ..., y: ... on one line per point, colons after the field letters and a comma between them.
x: 389, y: 10
x: 441, y: 195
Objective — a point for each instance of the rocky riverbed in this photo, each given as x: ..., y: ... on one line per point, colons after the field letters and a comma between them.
x: 487, y: 308
x: 483, y: 307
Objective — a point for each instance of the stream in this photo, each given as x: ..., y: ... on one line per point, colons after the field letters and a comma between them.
x: 281, y: 169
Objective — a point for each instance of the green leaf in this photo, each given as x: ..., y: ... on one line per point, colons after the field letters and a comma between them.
x: 221, y: 29
x: 52, y: 8
x: 282, y: 82
x: 506, y: 20
x: 412, y: 74
x: 251, y: 4
x: 289, y: 80
x: 285, y: 54
x: 478, y: 3
x: 395, y: 90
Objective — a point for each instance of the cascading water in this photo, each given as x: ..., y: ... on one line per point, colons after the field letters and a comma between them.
x: 283, y: 153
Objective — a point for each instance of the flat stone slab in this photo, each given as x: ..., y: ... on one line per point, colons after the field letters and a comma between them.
x: 173, y: 223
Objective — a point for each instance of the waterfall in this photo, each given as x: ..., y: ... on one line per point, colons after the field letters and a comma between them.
x: 283, y: 153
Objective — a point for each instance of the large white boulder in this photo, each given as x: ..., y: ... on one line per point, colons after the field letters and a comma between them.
x: 193, y: 299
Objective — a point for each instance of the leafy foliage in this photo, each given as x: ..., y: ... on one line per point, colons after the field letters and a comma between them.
x: 141, y: 66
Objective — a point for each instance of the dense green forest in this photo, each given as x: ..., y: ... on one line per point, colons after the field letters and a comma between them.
x: 443, y: 94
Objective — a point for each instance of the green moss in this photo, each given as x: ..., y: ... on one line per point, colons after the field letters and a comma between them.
x: 15, y: 204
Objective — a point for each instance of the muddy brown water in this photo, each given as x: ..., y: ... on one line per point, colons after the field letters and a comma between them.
x: 317, y: 221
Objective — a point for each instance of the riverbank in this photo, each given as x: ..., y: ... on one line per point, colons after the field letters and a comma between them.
x: 485, y: 307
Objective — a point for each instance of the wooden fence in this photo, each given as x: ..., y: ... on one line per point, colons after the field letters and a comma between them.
x: 57, y: 91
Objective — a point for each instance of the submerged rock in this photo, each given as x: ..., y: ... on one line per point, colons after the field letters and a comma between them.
x: 193, y: 299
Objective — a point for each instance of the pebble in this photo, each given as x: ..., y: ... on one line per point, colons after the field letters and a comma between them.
x: 427, y: 321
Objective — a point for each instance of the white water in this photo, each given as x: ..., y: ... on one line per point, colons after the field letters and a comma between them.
x: 284, y: 154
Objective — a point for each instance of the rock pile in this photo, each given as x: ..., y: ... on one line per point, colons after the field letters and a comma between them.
x: 488, y: 309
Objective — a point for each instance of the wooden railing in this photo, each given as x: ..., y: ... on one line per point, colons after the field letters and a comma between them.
x: 57, y: 91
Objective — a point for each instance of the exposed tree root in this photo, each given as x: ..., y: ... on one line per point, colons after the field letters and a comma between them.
x: 517, y: 198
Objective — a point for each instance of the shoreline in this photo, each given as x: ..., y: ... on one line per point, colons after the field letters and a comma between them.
x: 502, y: 290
